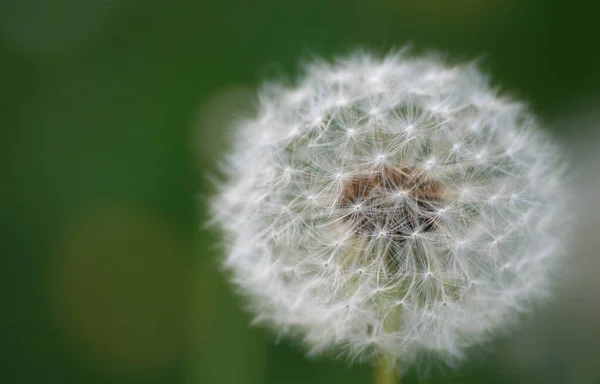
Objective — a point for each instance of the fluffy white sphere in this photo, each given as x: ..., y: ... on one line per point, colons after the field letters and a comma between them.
x: 394, y: 205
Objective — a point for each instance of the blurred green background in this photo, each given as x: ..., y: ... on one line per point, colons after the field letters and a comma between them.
x: 112, y: 115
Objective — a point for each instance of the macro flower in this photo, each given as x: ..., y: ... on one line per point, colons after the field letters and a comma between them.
x: 395, y: 205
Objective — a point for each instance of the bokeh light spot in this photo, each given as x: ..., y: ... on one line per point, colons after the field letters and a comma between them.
x: 120, y: 287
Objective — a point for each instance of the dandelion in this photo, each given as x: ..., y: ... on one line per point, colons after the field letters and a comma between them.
x: 382, y: 208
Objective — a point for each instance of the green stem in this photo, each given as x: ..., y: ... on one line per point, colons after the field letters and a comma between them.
x: 385, y: 371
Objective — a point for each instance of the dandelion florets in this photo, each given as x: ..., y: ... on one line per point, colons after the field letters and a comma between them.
x: 393, y: 204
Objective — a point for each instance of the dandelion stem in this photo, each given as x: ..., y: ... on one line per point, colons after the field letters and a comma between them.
x: 385, y: 371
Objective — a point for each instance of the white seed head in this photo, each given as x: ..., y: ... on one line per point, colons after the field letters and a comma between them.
x: 391, y: 204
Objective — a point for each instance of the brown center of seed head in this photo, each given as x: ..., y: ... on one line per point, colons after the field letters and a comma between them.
x: 393, y: 202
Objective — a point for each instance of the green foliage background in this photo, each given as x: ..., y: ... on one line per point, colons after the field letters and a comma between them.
x: 112, y: 114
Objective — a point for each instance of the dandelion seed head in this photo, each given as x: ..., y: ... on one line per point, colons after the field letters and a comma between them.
x: 392, y: 204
